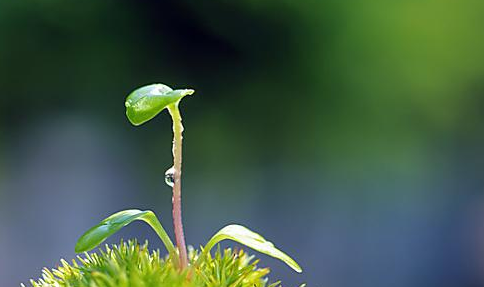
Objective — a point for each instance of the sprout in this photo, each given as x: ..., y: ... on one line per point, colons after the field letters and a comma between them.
x: 142, y: 105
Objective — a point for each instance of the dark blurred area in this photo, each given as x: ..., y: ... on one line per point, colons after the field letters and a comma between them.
x: 349, y: 133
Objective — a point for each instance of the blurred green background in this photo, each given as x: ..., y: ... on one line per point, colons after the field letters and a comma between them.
x: 350, y: 133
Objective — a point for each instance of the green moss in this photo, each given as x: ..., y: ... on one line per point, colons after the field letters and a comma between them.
x: 133, y: 265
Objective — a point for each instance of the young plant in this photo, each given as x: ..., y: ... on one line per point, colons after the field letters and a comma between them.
x: 142, y: 105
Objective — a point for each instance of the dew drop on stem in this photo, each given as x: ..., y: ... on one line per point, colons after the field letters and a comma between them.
x: 170, y: 176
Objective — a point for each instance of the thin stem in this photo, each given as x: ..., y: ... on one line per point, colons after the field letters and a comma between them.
x: 176, y: 199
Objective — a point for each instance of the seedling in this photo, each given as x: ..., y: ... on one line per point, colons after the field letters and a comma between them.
x: 142, y: 105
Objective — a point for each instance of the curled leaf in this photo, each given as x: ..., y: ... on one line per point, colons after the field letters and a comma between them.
x: 97, y: 234
x: 146, y: 102
x: 253, y: 240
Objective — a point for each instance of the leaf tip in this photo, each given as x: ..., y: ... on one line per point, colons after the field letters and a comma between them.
x: 132, y: 119
x: 188, y: 92
x: 79, y: 248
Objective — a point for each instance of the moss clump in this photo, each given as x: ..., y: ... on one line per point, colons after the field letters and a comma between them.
x: 133, y: 265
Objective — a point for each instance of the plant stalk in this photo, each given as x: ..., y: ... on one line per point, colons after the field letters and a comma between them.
x: 176, y: 199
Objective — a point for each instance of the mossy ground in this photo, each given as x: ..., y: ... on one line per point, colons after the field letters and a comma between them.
x: 130, y: 264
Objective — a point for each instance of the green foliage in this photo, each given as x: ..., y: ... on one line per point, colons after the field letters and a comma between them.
x: 107, y: 227
x: 145, y: 103
x: 142, y: 105
x: 97, y: 234
x: 133, y: 265
x: 253, y: 240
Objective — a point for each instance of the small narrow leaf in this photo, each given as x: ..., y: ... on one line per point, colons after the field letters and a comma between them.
x: 253, y: 240
x: 145, y: 103
x: 97, y: 234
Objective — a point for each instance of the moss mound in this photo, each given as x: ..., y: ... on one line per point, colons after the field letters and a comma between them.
x: 130, y: 264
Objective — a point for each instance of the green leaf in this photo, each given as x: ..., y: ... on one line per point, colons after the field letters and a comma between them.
x: 97, y: 234
x: 253, y: 240
x: 145, y: 103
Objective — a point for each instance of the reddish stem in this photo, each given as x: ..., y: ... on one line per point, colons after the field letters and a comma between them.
x: 176, y: 199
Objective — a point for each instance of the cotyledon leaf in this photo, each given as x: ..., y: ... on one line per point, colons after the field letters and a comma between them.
x: 146, y: 102
x: 253, y: 240
x: 97, y: 234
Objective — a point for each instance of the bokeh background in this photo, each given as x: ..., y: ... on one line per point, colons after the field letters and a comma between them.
x: 350, y: 133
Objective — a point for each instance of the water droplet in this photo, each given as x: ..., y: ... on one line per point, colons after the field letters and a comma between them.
x: 170, y: 176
